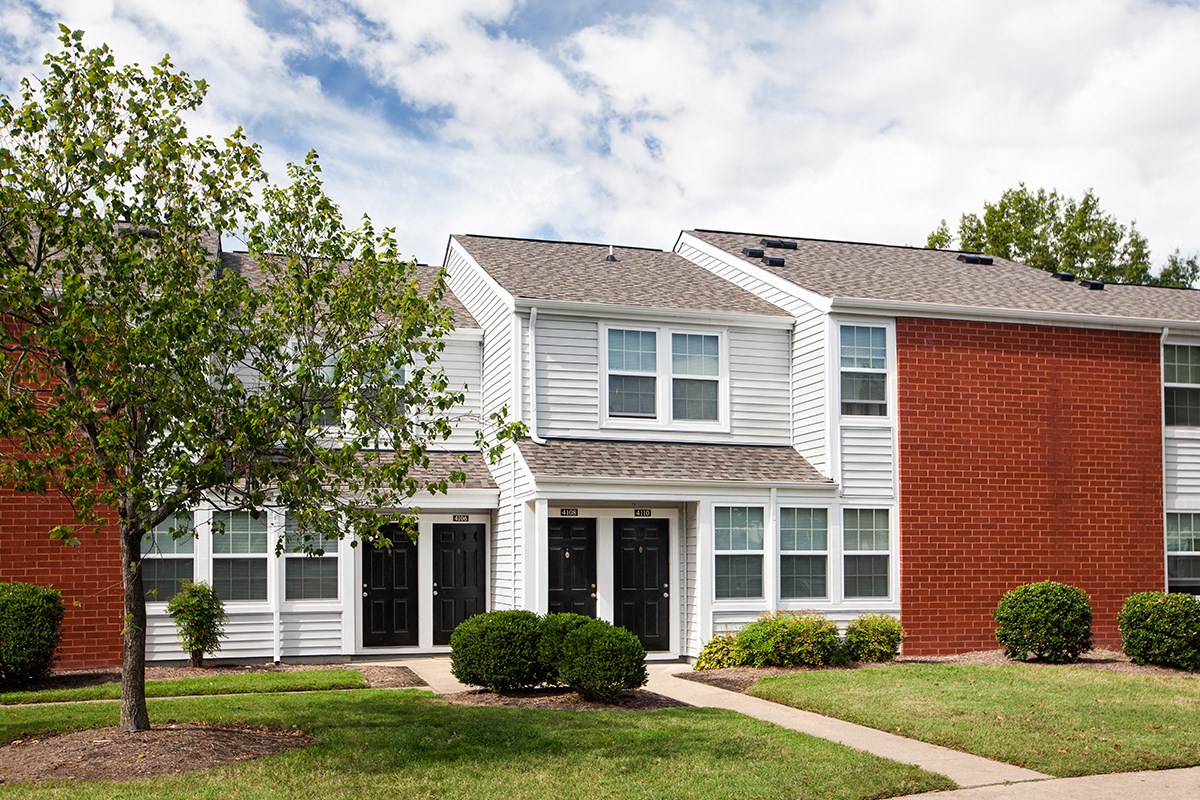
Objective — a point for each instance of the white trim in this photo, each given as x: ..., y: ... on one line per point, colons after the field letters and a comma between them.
x: 453, y: 245
x: 807, y: 296
x: 656, y: 314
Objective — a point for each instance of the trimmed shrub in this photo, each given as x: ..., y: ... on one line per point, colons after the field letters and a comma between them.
x: 600, y: 661
x: 30, y: 629
x: 554, y: 629
x: 498, y: 651
x: 873, y: 637
x: 1050, y: 620
x: 788, y: 639
x: 199, y: 617
x: 1160, y: 628
x: 720, y: 652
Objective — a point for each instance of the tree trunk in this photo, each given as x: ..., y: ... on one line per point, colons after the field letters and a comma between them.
x: 197, y: 658
x: 134, y: 715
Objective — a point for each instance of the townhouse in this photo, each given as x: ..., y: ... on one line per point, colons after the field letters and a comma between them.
x: 745, y: 423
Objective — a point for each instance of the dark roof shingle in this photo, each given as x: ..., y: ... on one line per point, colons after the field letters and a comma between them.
x: 852, y: 270
x: 668, y: 461
x: 573, y: 272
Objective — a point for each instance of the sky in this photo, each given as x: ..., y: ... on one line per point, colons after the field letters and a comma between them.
x: 624, y: 122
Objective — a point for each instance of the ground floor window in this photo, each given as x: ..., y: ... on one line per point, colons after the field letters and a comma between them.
x: 866, y: 545
x: 738, y: 540
x: 1183, y: 553
x: 803, y: 552
x: 311, y: 568
x: 167, y: 557
x: 240, y: 554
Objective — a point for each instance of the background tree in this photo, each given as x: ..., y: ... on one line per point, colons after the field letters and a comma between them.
x: 1061, y: 234
x: 141, y: 379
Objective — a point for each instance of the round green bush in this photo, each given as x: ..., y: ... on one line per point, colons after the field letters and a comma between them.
x: 30, y: 629
x: 1160, y: 628
x: 555, y: 627
x: 719, y: 653
x: 498, y: 651
x: 788, y: 639
x: 1050, y: 620
x: 600, y: 661
x: 199, y: 617
x: 873, y: 637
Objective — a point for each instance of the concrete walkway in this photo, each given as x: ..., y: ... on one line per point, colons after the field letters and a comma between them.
x: 982, y: 779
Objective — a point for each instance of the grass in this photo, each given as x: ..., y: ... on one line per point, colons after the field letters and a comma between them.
x: 407, y: 743
x: 256, y: 682
x: 1058, y: 721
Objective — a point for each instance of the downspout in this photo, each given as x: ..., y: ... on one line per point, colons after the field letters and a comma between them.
x: 1162, y: 422
x: 533, y: 398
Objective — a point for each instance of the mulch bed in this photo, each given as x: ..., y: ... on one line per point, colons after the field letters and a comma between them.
x: 379, y: 676
x: 564, y: 700
x: 739, y: 679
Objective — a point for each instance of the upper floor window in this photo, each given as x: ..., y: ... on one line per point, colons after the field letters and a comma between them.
x: 1181, y: 389
x: 864, y: 370
x: 167, y: 557
x: 689, y: 374
x: 632, y: 373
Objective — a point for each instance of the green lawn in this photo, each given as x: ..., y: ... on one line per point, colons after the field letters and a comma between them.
x: 300, y: 681
x: 408, y: 744
x: 1061, y: 721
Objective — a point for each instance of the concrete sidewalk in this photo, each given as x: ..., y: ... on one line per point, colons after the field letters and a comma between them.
x: 982, y: 779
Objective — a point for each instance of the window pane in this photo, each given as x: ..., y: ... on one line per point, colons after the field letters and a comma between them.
x: 243, y: 532
x: 864, y: 394
x: 240, y: 578
x: 161, y: 577
x: 295, y: 538
x: 161, y: 541
x: 1183, y: 533
x: 631, y: 396
x: 864, y: 347
x: 1183, y: 567
x: 866, y: 576
x: 865, y: 529
x: 802, y: 576
x: 311, y: 578
x: 803, y: 529
x: 1181, y: 406
x: 632, y: 351
x: 692, y: 399
x: 695, y: 354
x: 738, y: 528
x: 739, y: 576
x: 1181, y: 364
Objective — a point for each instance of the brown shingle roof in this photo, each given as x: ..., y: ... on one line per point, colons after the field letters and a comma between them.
x: 249, y: 268
x: 440, y: 465
x: 908, y: 274
x: 573, y: 272
x: 668, y: 461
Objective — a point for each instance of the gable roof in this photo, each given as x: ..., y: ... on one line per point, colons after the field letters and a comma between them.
x: 907, y: 275
x: 577, y: 272
x: 249, y: 268
x: 590, y: 459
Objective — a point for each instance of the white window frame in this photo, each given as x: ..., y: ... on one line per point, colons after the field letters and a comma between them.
x: 1175, y: 385
x: 888, y: 370
x: 764, y: 580
x: 824, y: 553
x: 663, y: 418
x: 331, y: 548
x: 1193, y: 554
x: 890, y: 553
x: 266, y: 555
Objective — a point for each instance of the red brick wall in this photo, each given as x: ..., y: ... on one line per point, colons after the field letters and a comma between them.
x: 89, y: 576
x: 1027, y: 453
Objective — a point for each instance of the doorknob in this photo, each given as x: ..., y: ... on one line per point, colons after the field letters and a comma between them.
x: 435, y: 592
x: 364, y: 594
x: 666, y: 594
x: 593, y: 595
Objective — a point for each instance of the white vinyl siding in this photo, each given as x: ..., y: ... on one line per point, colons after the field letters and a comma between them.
x: 809, y: 389
x: 867, y: 462
x: 460, y: 362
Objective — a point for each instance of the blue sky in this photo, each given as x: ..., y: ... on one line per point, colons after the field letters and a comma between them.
x: 626, y: 121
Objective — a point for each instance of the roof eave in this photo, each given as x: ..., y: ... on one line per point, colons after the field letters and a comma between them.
x: 783, y: 320
x: 557, y: 481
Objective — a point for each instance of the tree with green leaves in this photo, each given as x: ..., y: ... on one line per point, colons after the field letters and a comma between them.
x: 1061, y: 234
x: 142, y: 377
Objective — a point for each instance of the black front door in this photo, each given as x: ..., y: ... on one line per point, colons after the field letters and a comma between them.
x: 457, y: 577
x: 390, y: 591
x: 642, y: 566
x: 572, y: 566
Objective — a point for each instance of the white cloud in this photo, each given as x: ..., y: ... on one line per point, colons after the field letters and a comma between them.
x: 851, y: 119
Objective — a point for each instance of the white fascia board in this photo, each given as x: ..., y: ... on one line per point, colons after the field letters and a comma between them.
x: 548, y: 486
x: 898, y: 308
x: 497, y: 289
x: 654, y: 314
x: 466, y: 334
x: 817, y: 301
x: 457, y: 499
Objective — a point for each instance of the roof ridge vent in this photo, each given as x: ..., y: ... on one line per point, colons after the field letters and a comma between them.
x: 611, y: 255
x: 1063, y: 276
x: 975, y: 258
x: 781, y: 244
x: 1095, y: 286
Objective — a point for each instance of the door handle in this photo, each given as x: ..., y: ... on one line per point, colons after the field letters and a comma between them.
x: 364, y: 594
x: 666, y: 594
x: 435, y: 592
x: 593, y: 595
